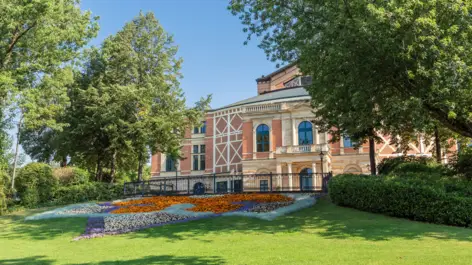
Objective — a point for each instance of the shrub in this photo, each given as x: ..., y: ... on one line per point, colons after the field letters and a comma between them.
x: 3, y: 199
x: 387, y: 165
x: 463, y: 163
x: 415, y: 169
x: 71, y: 175
x: 403, y: 197
x: 92, y: 191
x: 35, y: 184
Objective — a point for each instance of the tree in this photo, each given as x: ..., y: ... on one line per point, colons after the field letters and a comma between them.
x: 142, y: 57
x: 126, y: 103
x: 408, y: 61
x: 39, y: 38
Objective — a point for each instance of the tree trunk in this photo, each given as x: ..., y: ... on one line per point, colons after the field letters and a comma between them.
x: 113, y: 167
x: 373, y: 164
x: 64, y: 162
x: 437, y: 143
x: 17, y: 151
x: 99, y: 173
x: 140, y: 167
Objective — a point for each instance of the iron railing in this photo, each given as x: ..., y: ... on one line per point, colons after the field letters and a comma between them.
x: 235, y: 183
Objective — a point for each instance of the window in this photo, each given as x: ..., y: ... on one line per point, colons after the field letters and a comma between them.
x: 264, y: 185
x: 221, y: 186
x: 170, y: 164
x: 198, y: 157
x: 262, y: 138
x: 348, y: 142
x: 305, y: 133
x: 204, y: 127
x: 201, y: 129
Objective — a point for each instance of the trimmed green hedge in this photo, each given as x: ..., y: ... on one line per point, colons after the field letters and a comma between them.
x: 92, y: 191
x: 405, y: 198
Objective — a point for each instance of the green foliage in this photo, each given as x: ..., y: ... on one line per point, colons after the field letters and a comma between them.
x: 463, y: 162
x: 35, y: 184
x: 415, y: 199
x: 71, y: 176
x: 124, y: 105
x: 387, y: 165
x: 397, y: 66
x: 3, y: 199
x: 92, y: 191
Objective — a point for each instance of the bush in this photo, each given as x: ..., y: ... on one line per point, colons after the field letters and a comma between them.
x: 35, y: 184
x: 463, y: 163
x: 387, y: 165
x: 92, y: 191
x: 71, y: 175
x: 404, y: 197
x: 415, y: 169
x: 3, y: 199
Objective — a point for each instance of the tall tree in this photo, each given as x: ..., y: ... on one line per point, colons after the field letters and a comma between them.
x: 38, y: 39
x: 127, y: 103
x: 412, y: 56
x: 142, y: 57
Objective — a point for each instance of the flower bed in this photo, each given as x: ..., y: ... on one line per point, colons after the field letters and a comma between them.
x: 138, y: 213
x: 215, y: 204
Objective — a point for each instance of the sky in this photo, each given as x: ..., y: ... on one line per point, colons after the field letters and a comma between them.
x: 210, y: 41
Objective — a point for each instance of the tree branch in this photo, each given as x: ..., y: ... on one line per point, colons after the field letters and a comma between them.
x: 16, y: 37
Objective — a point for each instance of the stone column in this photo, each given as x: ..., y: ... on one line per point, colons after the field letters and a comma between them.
x: 294, y: 131
x: 314, y: 176
x: 271, y: 139
x: 279, y: 174
x: 254, y: 143
x: 341, y: 145
x: 289, y: 171
x: 317, y: 135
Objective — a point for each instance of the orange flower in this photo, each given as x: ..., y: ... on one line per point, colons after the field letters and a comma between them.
x: 217, y: 204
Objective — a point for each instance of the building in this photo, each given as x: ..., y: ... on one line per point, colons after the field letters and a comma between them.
x: 270, y: 133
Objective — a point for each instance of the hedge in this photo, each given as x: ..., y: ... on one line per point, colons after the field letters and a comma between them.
x: 402, y: 197
x: 92, y: 191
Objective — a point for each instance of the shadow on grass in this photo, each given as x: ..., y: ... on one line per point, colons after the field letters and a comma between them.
x: 15, y: 227
x: 324, y: 219
x: 164, y: 259
x: 35, y: 260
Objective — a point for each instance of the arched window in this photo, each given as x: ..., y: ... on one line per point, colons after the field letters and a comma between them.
x: 305, y: 133
x: 262, y: 138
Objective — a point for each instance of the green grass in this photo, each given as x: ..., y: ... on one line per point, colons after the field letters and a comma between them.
x: 323, y: 234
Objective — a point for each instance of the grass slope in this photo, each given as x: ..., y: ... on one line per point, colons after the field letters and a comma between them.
x: 322, y: 234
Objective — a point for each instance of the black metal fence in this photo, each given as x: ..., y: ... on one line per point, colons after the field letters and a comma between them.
x: 220, y: 184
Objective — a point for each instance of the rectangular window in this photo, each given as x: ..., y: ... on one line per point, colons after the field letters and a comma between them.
x: 347, y: 141
x: 264, y: 185
x: 170, y: 164
x: 202, y: 162
x: 200, y: 129
x: 222, y: 186
x: 198, y: 157
x: 203, y: 128
x: 195, y: 162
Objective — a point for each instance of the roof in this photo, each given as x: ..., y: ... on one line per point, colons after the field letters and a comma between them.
x: 269, y: 76
x: 292, y: 92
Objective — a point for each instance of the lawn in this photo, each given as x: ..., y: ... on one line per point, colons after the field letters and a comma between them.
x: 322, y: 234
